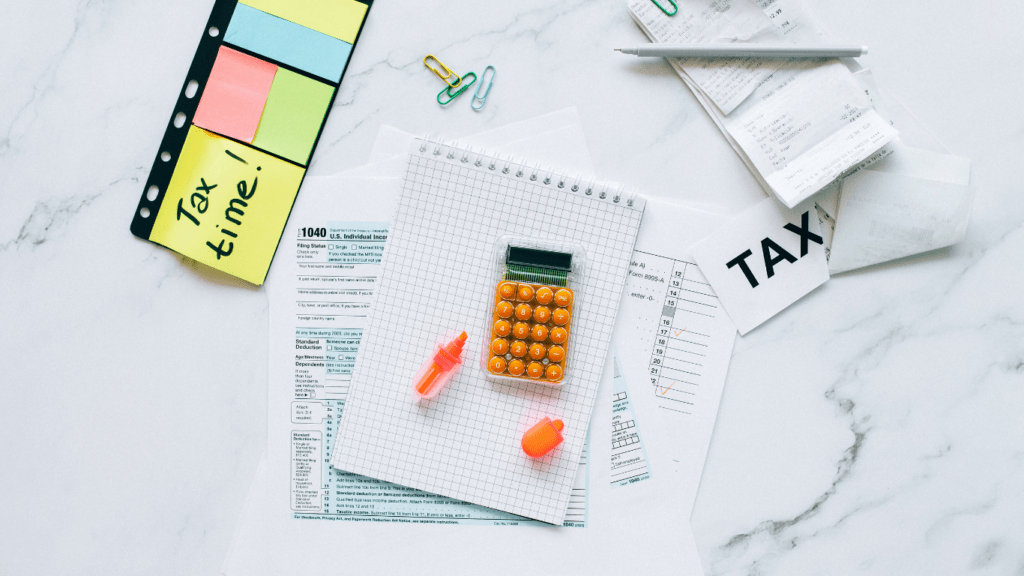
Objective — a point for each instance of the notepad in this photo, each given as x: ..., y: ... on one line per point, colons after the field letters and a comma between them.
x: 454, y: 207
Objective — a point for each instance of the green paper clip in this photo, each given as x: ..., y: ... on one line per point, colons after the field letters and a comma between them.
x: 463, y: 86
x: 675, y: 8
x: 482, y: 98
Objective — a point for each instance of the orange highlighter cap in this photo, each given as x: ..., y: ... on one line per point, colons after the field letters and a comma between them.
x: 436, y: 371
x: 544, y: 437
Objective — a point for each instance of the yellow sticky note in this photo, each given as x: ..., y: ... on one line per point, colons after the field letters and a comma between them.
x: 338, y: 18
x: 226, y: 205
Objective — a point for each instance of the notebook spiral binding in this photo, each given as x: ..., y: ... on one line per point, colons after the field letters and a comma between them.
x: 537, y: 173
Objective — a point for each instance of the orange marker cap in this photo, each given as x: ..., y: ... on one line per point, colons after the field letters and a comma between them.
x: 544, y: 437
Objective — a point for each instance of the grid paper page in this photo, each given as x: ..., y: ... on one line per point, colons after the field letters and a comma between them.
x: 437, y: 280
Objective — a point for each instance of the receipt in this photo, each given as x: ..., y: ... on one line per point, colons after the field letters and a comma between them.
x: 726, y: 81
x: 912, y: 202
x: 806, y: 126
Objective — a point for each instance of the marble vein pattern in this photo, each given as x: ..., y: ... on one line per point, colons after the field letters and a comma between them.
x: 874, y: 428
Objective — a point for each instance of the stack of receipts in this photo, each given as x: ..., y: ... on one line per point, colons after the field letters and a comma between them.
x: 797, y: 125
x: 818, y: 128
x: 648, y: 440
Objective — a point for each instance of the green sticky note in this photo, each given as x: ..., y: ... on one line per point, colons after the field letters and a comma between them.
x: 295, y: 110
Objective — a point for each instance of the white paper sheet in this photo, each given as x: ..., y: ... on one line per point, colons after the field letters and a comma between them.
x: 764, y: 260
x: 673, y: 336
x: 641, y: 526
x: 888, y: 213
x: 916, y: 199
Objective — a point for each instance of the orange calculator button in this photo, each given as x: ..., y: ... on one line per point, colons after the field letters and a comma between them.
x: 502, y: 328
x: 499, y: 346
x: 558, y: 335
x: 518, y: 348
x: 554, y: 372
x: 524, y: 312
x: 525, y: 292
x: 496, y: 365
x: 504, y: 309
x: 542, y: 314
x: 563, y: 297
x: 516, y: 367
x: 540, y: 332
x: 507, y: 290
x: 560, y: 316
x: 556, y: 354
x: 544, y: 295
x: 537, y: 351
x: 535, y: 370
x: 521, y: 330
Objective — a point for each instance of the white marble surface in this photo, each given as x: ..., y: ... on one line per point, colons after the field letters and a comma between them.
x: 874, y: 428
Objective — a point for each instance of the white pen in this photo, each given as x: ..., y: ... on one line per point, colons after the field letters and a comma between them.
x: 737, y: 50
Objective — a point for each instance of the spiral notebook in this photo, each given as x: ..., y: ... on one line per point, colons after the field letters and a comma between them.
x: 455, y: 204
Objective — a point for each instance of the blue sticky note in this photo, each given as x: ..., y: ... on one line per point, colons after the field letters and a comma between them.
x: 288, y: 42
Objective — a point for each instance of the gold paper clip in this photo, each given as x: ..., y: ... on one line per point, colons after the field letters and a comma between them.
x: 446, y: 75
x: 482, y: 98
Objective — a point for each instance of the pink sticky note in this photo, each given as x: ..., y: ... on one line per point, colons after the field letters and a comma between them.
x: 235, y: 95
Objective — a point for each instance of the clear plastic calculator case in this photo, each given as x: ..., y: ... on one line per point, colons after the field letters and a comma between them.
x: 531, y: 316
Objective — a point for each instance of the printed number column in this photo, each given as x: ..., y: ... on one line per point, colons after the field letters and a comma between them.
x: 668, y: 314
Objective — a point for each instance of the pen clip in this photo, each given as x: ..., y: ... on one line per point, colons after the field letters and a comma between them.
x: 446, y: 75
x: 675, y: 8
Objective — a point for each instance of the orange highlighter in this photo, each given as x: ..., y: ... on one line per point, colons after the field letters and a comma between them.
x: 436, y: 372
